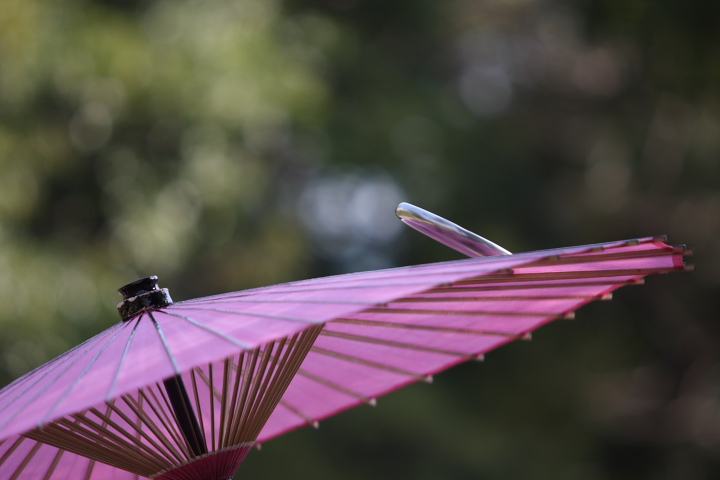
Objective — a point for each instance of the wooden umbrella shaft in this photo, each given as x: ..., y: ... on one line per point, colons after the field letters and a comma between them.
x: 187, y: 421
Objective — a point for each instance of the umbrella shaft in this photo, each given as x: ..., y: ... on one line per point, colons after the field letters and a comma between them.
x: 187, y: 421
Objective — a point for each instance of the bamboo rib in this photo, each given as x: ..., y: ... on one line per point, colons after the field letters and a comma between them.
x: 292, y: 361
x: 233, y: 407
x: 113, y: 439
x: 196, y: 396
x: 576, y: 258
x: 335, y: 386
x: 54, y: 464
x: 583, y: 257
x: 508, y: 298
x: 309, y: 421
x: 569, y: 275
x: 25, y: 461
x: 103, y: 438
x: 130, y: 461
x: 258, y: 387
x: 62, y: 364
x: 391, y: 310
x: 170, y: 453
x: 250, y: 314
x: 244, y: 394
x: 207, y: 328
x: 11, y: 450
x: 90, y: 468
x: 479, y: 286
x: 211, y: 391
x: 94, y: 446
x: 264, y: 388
x: 167, y: 418
x: 429, y: 328
x: 283, y: 301
x: 162, y: 416
x: 397, y: 344
x: 224, y: 402
x: 369, y: 363
x: 256, y: 409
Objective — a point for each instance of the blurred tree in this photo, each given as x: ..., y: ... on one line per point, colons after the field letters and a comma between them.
x: 223, y: 145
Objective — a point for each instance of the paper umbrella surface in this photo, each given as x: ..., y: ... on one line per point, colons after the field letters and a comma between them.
x: 184, y: 390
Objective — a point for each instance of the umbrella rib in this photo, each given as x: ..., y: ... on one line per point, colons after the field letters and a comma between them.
x: 260, y: 384
x: 243, y: 300
x: 131, y: 440
x: 80, y: 377
x: 415, y: 270
x: 214, y: 331
x: 403, y: 272
x: 283, y: 291
x: 391, y: 310
x: 179, y: 400
x: 292, y: 358
x: 254, y: 314
x: 449, y: 286
x: 12, y: 449
x: 142, y: 418
x: 197, y: 401
x: 575, y: 258
x: 102, y: 439
x: 55, y: 365
x: 25, y: 461
x: 539, y: 285
x: 519, y: 298
x: 511, y: 276
x: 224, y: 402
x: 369, y: 363
x: 90, y: 468
x: 460, y: 266
x: 54, y: 464
x: 121, y: 364
x: 57, y: 362
x: 166, y: 346
x: 293, y: 409
x: 395, y: 343
x: 336, y: 386
x: 238, y: 385
x: 156, y: 405
x: 171, y: 453
x: 429, y: 328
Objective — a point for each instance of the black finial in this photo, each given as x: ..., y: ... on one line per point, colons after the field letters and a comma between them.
x: 142, y: 295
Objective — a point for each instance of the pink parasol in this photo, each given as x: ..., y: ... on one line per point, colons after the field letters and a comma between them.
x: 184, y: 390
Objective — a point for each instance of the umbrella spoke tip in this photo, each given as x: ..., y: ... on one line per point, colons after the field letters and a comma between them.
x: 427, y: 379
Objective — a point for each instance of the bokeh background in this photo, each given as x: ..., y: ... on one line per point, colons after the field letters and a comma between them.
x: 224, y: 145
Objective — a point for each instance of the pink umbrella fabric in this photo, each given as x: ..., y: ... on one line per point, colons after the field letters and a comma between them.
x: 246, y: 367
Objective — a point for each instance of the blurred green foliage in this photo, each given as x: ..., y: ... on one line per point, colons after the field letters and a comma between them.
x: 223, y: 145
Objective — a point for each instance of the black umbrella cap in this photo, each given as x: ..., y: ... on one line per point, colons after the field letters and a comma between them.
x: 141, y: 296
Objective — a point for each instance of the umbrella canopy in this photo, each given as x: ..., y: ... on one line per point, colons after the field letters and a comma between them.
x: 184, y: 390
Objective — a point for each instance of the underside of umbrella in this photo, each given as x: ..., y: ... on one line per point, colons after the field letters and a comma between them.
x: 185, y: 390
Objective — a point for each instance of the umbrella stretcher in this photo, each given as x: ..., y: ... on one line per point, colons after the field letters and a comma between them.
x: 184, y: 390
